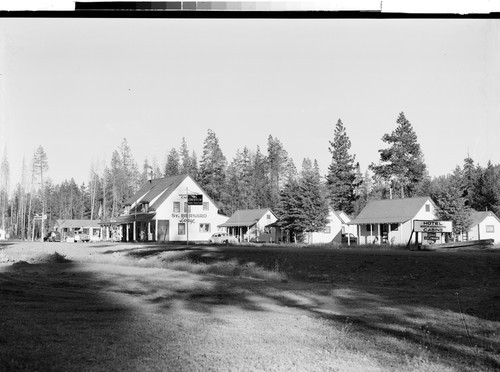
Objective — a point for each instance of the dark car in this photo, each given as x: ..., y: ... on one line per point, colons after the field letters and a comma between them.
x: 352, y: 238
x: 53, y: 236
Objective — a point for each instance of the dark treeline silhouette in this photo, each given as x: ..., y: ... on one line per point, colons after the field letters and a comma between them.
x: 253, y: 179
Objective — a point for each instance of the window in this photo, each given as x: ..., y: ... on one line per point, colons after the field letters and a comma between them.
x: 205, y: 206
x: 186, y: 207
x: 204, y: 227
x: 182, y: 229
x: 268, y: 216
x: 427, y: 207
x: 177, y: 207
x: 327, y: 230
x: 490, y: 228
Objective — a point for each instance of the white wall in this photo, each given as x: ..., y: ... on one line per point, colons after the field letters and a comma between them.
x: 197, y: 214
x: 479, y: 231
x: 257, y: 232
x: 335, y: 233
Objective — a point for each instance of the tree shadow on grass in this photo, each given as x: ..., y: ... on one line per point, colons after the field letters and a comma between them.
x: 412, y: 313
x: 407, y: 329
x: 56, y: 317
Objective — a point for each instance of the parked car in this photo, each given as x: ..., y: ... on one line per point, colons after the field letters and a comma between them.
x: 349, y: 238
x: 222, y: 238
x: 81, y: 237
x: 53, y: 236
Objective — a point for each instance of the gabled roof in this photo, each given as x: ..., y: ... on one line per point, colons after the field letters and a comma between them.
x: 342, y: 216
x: 478, y: 217
x: 390, y: 210
x: 246, y: 217
x: 151, y: 189
x: 158, y: 190
x: 75, y: 224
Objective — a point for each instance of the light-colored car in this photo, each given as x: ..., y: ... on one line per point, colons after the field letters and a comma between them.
x: 81, y: 237
x: 222, y: 238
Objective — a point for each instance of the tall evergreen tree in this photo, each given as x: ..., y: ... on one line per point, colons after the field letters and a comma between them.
x: 471, y: 179
x: 194, y: 170
x: 116, y: 182
x: 261, y: 186
x: 448, y: 192
x: 232, y: 192
x: 314, y: 205
x: 342, y: 179
x: 40, y: 167
x: 487, y: 194
x: 401, y: 165
x: 303, y: 208
x: 186, y: 161
x: 279, y: 165
x: 173, y: 164
x: 212, y: 167
x: 4, y: 188
x: 157, y: 173
x: 289, y: 210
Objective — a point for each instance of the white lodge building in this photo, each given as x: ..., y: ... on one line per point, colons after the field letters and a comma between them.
x: 390, y: 221
x: 159, y: 212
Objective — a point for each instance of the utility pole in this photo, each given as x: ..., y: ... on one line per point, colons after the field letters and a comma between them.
x: 187, y: 217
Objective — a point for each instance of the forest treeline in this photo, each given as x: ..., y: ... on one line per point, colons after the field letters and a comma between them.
x: 254, y: 178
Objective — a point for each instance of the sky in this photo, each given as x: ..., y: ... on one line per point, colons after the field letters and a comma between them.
x: 77, y: 87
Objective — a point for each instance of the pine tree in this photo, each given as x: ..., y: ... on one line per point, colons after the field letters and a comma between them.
x: 279, y: 165
x: 185, y: 159
x: 131, y: 180
x: 448, y: 193
x: 342, y: 179
x: 4, y: 188
x: 193, y: 171
x: 314, y: 205
x: 232, y: 192
x: 212, y: 167
x: 40, y: 167
x: 471, y: 178
x: 157, y: 173
x: 116, y: 184
x: 289, y: 211
x: 173, y: 164
x: 401, y: 165
x: 487, y: 195
x: 302, y: 207
x: 260, y: 183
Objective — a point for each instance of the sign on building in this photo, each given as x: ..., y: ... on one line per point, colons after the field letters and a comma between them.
x: 195, y: 199
x: 431, y: 226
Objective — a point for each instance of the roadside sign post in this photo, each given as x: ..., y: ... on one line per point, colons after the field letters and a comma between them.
x: 430, y: 228
x: 192, y: 199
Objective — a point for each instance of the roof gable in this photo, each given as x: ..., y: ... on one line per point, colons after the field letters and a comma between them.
x: 391, y: 210
x: 153, y: 188
x: 478, y: 217
x: 342, y: 216
x: 156, y: 191
x: 247, y: 217
x: 75, y: 224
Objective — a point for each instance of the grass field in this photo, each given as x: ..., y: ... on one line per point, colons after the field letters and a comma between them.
x: 176, y: 307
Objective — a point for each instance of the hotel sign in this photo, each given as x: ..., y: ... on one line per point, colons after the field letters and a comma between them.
x: 430, y: 226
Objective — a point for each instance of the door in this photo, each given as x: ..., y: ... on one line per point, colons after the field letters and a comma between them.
x: 163, y: 231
